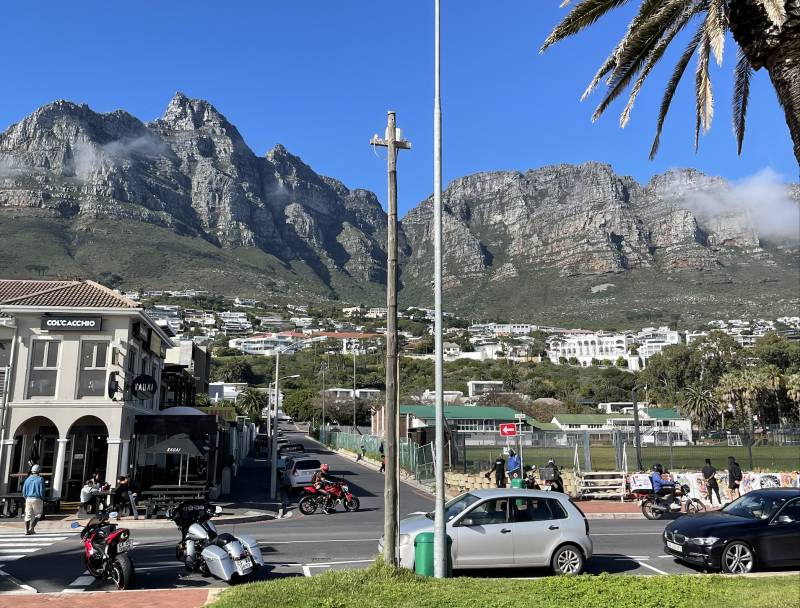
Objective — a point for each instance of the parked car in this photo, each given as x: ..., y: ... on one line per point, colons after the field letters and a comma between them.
x: 758, y: 530
x: 299, y: 470
x: 507, y: 529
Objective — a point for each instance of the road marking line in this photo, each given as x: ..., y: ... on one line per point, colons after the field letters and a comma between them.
x: 423, y: 496
x: 291, y: 542
x: 306, y: 571
x: 40, y: 543
x: 19, y: 550
x: 326, y: 564
x: 82, y: 581
x: 627, y: 534
x: 653, y: 569
x: 10, y: 558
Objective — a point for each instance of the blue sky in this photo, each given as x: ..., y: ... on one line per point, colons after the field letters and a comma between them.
x: 318, y: 76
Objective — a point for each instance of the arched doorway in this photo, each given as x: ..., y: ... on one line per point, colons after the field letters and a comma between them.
x: 35, y: 440
x: 87, y: 453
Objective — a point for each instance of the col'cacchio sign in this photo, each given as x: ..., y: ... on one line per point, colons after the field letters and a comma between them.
x: 51, y: 323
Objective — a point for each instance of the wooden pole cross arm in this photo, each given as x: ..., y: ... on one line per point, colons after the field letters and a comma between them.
x: 404, y: 145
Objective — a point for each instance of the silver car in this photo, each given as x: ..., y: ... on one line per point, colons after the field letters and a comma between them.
x: 507, y: 528
x: 299, y: 471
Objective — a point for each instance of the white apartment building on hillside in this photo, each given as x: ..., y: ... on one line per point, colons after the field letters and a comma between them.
x: 611, y: 345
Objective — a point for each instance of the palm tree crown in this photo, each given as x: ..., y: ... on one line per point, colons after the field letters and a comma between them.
x: 764, y: 30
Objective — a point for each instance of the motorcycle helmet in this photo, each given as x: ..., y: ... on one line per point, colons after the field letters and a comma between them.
x: 658, y: 469
x: 324, y: 468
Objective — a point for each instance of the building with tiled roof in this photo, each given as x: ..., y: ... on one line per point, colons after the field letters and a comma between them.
x: 81, y: 362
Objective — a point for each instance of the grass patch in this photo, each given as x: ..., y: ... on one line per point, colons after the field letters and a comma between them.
x: 381, y: 586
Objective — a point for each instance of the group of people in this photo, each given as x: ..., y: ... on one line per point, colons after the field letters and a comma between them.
x: 663, y: 487
x: 119, y: 498
x: 499, y: 468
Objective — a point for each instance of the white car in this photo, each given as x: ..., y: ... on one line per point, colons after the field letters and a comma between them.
x: 507, y: 528
x: 299, y: 471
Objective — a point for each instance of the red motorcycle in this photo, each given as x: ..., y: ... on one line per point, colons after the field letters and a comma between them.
x: 107, y: 551
x: 338, y: 493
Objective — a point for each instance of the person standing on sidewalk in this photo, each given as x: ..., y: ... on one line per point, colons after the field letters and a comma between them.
x: 709, y: 473
x: 499, y: 469
x: 734, y: 478
x: 383, y: 465
x: 33, y: 493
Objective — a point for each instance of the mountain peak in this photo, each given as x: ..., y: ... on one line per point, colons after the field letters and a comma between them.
x: 186, y: 114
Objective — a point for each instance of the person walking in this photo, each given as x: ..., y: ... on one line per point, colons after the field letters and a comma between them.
x: 33, y: 493
x: 499, y: 469
x: 709, y: 473
x: 734, y: 478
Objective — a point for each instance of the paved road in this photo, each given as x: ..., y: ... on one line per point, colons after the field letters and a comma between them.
x: 305, y: 545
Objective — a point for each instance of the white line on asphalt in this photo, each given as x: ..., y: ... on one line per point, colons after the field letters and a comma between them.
x: 19, y: 550
x: 629, y: 559
x: 651, y: 568
x: 82, y: 581
x: 306, y: 571
x: 619, y: 555
x: 326, y: 564
x: 10, y: 558
x: 349, y: 540
x: 160, y: 567
x: 627, y: 534
x: 31, y: 544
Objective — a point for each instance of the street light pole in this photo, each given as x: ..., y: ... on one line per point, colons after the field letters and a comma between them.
x: 637, y: 434
x: 273, y: 474
x: 439, y: 539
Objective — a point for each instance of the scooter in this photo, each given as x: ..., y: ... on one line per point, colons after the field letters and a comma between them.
x: 224, y: 556
x: 551, y: 476
x: 106, y: 551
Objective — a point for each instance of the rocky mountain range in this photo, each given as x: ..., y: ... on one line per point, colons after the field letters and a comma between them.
x: 184, y: 202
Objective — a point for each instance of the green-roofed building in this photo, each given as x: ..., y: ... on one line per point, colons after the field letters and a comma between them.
x: 657, y: 425
x: 467, y: 418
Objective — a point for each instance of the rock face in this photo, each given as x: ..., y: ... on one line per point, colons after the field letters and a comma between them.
x: 192, y: 172
x: 513, y: 241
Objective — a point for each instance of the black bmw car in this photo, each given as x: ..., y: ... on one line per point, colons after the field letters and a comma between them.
x: 758, y: 530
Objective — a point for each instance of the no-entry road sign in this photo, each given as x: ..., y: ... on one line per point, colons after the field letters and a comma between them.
x: 508, y: 429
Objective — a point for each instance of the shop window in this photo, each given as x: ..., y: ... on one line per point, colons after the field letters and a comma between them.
x: 94, y: 363
x: 44, y: 368
x: 5, y: 353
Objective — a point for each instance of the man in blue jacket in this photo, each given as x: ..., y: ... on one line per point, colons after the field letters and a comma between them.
x: 33, y: 493
x: 661, y: 486
x: 514, y: 465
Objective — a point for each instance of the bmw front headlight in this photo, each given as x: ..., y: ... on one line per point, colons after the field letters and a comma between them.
x: 705, y: 541
x: 405, y: 539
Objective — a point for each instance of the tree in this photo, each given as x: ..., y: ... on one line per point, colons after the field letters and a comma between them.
x: 699, y: 406
x: 236, y: 369
x: 573, y: 360
x: 299, y: 404
x: 760, y: 29
x: 252, y: 401
x: 752, y: 386
x: 621, y: 362
x: 773, y: 380
x: 510, y: 378
x: 202, y: 400
x: 792, y: 382
x: 30, y: 268
x: 607, y: 362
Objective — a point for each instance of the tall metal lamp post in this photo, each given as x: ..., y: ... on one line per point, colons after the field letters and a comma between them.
x: 273, y: 474
x: 636, y: 432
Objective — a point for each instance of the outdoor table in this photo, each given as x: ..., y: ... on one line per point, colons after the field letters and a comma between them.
x: 96, y: 496
x: 8, y: 499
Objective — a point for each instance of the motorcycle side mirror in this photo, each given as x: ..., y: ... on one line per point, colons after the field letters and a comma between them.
x: 113, y: 514
x: 75, y: 524
x: 168, y: 514
x: 218, y: 510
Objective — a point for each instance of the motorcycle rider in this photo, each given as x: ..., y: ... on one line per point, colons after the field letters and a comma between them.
x: 320, y: 480
x: 662, y: 487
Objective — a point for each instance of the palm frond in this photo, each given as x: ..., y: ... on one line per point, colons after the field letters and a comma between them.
x: 582, y: 16
x: 776, y: 11
x: 741, y: 95
x: 672, y: 86
x: 715, y: 24
x: 702, y: 85
x: 634, y: 56
x: 656, y: 55
x: 609, y: 65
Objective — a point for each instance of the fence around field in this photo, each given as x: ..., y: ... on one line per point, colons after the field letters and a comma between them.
x: 476, y: 452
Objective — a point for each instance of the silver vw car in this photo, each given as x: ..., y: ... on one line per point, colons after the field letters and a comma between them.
x: 507, y: 528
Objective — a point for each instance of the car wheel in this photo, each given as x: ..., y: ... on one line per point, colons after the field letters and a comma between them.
x: 738, y: 558
x: 567, y: 560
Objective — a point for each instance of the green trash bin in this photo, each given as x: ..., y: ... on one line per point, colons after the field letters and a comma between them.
x: 517, y: 483
x: 423, y: 554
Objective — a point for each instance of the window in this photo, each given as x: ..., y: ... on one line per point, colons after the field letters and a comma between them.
x: 489, y: 512
x: 5, y: 353
x: 539, y: 509
x: 44, y: 368
x: 793, y: 511
x: 94, y: 361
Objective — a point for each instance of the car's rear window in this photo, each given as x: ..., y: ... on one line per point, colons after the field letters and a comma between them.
x: 306, y: 465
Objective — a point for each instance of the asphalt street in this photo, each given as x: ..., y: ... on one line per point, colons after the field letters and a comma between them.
x: 306, y: 545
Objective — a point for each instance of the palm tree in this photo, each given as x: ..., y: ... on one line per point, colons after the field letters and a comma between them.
x: 753, y: 386
x: 760, y: 28
x: 252, y: 401
x: 728, y: 393
x: 792, y: 383
x: 774, y: 384
x: 699, y: 406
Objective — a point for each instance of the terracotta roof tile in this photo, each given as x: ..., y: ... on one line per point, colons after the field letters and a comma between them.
x: 86, y: 294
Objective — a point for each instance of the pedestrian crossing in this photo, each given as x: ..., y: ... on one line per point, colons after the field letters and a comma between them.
x: 17, y: 546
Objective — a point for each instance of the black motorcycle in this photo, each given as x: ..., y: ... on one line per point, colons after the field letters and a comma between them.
x: 551, y: 477
x: 530, y: 480
x: 654, y: 505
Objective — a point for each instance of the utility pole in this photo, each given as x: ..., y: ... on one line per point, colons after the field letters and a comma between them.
x: 391, y: 491
x: 324, y: 367
x: 355, y: 423
x: 439, y: 534
x: 636, y: 432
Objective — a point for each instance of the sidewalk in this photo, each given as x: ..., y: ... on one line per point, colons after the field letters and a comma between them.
x: 159, y: 598
x: 248, y: 502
